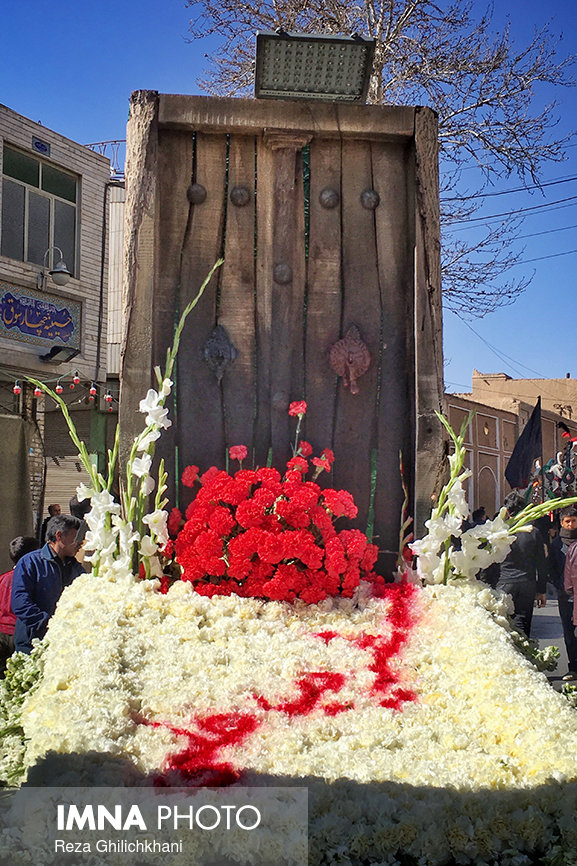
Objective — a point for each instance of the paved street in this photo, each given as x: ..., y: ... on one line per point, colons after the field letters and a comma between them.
x: 546, y: 628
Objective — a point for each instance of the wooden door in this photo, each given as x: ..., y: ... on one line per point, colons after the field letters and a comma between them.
x: 327, y: 219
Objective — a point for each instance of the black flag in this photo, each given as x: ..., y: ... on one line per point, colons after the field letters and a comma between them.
x: 528, y: 447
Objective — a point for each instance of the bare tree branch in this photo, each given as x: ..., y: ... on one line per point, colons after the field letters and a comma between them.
x: 486, y: 90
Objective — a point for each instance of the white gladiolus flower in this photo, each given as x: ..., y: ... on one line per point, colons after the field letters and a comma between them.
x: 166, y: 387
x: 146, y: 441
x: 83, y: 492
x: 156, y: 414
x: 103, y: 502
x: 159, y: 417
x: 157, y: 523
x: 150, y: 402
x: 141, y: 465
x: 147, y: 485
x: 147, y: 546
x: 457, y: 498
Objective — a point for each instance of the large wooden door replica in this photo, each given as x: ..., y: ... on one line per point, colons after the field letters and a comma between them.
x: 327, y: 218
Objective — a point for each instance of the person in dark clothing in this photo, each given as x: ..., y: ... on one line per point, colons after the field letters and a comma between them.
x: 79, y: 509
x: 53, y: 510
x: 479, y: 516
x: 41, y: 576
x: 18, y: 547
x: 523, y: 574
x: 557, y: 555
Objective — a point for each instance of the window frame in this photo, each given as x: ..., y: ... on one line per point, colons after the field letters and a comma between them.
x: 51, y: 197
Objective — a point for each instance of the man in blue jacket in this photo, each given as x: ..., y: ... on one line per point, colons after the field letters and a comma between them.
x: 40, y: 577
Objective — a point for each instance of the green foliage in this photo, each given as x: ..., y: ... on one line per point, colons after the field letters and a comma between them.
x: 545, y: 659
x: 23, y: 676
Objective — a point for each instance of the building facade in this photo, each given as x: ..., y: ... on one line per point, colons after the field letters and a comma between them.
x: 54, y: 198
x: 502, y: 407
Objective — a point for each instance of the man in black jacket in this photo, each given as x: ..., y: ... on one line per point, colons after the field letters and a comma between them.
x: 557, y: 554
x: 523, y: 574
x: 53, y: 510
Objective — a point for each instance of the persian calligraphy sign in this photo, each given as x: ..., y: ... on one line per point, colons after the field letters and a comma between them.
x: 36, y: 317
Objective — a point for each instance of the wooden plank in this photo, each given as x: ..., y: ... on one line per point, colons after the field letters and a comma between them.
x: 355, y: 421
x: 237, y: 299
x: 199, y: 399
x: 324, y: 293
x: 251, y: 116
x: 395, y: 263
x: 264, y: 260
x: 429, y: 448
x: 140, y: 265
x: 286, y: 361
x: 174, y: 176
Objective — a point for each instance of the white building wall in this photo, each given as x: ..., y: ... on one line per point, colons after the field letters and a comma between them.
x: 93, y: 171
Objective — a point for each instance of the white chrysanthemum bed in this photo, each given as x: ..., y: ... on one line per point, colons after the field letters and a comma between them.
x: 423, y: 736
x: 432, y: 737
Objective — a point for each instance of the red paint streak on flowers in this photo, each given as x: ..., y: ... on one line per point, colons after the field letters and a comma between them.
x: 327, y: 636
x: 198, y: 764
x: 335, y: 708
x: 311, y: 687
x: 384, y: 649
x: 402, y: 618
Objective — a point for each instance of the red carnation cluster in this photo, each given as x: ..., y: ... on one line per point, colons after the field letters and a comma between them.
x: 258, y: 534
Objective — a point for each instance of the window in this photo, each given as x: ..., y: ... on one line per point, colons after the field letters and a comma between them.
x: 38, y: 210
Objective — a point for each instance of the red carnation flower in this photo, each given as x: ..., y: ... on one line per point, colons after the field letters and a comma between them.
x: 189, y: 476
x: 168, y: 548
x: 298, y: 463
x: 210, y: 475
x: 299, y: 408
x: 174, y: 520
x: 250, y: 513
x: 238, y: 452
x: 222, y: 521
x: 340, y: 503
x: 321, y: 465
x: 258, y: 535
x: 328, y: 455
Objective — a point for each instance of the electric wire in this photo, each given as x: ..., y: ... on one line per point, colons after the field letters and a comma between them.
x: 542, y: 258
x: 546, y: 232
x: 456, y: 228
x: 510, y: 191
x: 513, y: 212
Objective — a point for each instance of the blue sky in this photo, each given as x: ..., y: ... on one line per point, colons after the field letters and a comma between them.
x: 72, y: 66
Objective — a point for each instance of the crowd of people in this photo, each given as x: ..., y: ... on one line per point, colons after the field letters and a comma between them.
x: 536, y: 559
x: 44, y: 566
